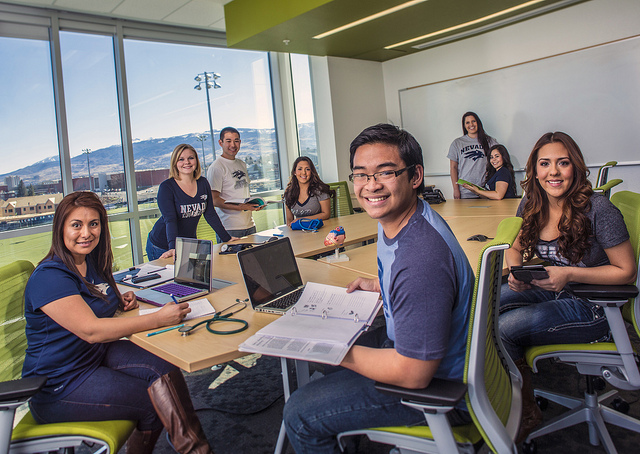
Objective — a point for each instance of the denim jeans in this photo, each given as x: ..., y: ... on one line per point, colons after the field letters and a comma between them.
x: 341, y: 401
x: 541, y: 317
x: 238, y: 233
x: 115, y: 390
x: 153, y: 252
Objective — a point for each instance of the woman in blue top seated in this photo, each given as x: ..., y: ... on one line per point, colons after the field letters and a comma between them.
x: 499, y: 180
x: 306, y: 195
x: 583, y: 237
x: 182, y: 199
x: 74, y: 340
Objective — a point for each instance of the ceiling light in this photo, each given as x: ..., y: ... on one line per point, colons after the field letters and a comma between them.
x: 467, y: 24
x: 386, y: 12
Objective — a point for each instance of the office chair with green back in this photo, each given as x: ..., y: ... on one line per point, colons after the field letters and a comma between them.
x: 603, y: 173
x: 29, y: 436
x: 204, y: 231
x: 491, y: 385
x: 614, y: 361
x: 341, y: 202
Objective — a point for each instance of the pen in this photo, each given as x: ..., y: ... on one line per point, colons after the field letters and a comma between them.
x: 174, y: 299
x: 165, y: 330
x: 278, y: 235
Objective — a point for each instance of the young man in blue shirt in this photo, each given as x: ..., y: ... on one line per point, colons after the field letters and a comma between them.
x: 426, y: 284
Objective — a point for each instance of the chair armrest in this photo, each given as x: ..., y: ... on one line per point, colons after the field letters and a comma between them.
x: 439, y: 392
x: 604, y: 292
x: 22, y: 388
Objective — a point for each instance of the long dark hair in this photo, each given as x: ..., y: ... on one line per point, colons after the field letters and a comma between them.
x: 483, y: 137
x: 101, y: 257
x: 316, y: 186
x: 574, y: 226
x: 506, y: 162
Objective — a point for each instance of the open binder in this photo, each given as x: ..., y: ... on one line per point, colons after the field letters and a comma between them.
x: 320, y: 327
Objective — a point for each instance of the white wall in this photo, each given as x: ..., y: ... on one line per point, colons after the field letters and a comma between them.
x: 355, y: 100
x: 586, y: 24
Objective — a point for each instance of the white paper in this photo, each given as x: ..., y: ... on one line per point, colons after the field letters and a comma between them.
x: 321, y: 326
x: 199, y: 308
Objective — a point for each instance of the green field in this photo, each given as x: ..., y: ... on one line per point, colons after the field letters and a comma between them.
x: 35, y: 247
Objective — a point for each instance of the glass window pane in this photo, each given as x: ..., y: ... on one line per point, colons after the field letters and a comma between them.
x: 92, y: 117
x: 167, y: 110
x: 30, y: 183
x: 121, y: 244
x: 303, y: 102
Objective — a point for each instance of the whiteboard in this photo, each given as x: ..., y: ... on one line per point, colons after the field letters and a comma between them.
x: 592, y: 94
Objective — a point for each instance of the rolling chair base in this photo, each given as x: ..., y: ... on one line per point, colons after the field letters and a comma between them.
x: 591, y: 410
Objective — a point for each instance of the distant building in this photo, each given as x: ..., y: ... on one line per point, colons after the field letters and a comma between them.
x: 12, y: 181
x: 37, y: 204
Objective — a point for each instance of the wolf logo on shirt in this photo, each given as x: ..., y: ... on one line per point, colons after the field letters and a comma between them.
x: 241, y: 181
x: 473, y: 154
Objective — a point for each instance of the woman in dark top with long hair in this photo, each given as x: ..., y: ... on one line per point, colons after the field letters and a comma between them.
x: 500, y: 179
x: 306, y: 195
x: 584, y: 238
x: 93, y: 374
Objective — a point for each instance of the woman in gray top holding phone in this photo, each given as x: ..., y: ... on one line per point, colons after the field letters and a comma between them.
x: 583, y: 237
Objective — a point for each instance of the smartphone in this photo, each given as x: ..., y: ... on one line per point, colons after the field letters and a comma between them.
x: 527, y: 273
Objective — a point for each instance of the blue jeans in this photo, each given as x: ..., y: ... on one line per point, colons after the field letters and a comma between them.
x: 116, y: 390
x: 341, y: 401
x: 542, y: 317
x: 154, y: 252
x: 238, y: 233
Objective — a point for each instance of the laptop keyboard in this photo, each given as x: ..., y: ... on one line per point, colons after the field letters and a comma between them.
x: 177, y: 290
x: 287, y: 300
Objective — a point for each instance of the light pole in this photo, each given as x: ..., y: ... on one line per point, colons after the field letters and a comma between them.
x: 209, y: 81
x: 202, y: 138
x: 87, y: 151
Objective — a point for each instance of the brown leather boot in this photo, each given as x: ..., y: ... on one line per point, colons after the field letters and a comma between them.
x: 142, y: 441
x: 531, y: 413
x: 170, y: 397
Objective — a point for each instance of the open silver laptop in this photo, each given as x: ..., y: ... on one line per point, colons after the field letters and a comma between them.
x: 271, y: 276
x: 191, y: 276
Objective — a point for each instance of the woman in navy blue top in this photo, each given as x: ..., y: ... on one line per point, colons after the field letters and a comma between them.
x: 499, y: 180
x: 75, y: 341
x: 182, y: 199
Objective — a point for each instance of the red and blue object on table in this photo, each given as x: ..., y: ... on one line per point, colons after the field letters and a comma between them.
x: 335, y: 237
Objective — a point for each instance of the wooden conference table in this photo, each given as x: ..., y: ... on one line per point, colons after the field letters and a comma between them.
x: 202, y: 349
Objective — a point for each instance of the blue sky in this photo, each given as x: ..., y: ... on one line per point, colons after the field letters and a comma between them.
x: 162, y: 99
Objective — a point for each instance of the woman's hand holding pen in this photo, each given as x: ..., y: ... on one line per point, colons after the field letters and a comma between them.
x: 129, y: 301
x: 172, y: 313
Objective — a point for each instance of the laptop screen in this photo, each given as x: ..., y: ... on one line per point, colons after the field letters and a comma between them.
x: 269, y: 270
x: 193, y: 262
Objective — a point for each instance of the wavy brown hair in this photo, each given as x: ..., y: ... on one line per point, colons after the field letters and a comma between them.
x: 316, y: 185
x: 574, y: 226
x: 101, y: 257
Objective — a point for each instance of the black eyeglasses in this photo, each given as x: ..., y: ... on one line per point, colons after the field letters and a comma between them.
x: 360, y: 179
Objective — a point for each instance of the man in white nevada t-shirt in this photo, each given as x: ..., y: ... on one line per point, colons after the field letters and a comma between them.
x: 229, y: 180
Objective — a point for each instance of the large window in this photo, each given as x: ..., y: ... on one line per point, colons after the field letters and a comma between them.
x: 30, y: 182
x: 303, y: 102
x: 167, y: 109
x: 83, y: 108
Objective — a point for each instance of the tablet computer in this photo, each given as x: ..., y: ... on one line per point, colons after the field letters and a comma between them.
x: 527, y: 273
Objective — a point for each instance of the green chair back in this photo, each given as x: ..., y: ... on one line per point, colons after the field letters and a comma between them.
x: 204, y: 231
x: 13, y: 342
x: 491, y: 383
x: 341, y: 202
x: 603, y: 173
x: 629, y: 205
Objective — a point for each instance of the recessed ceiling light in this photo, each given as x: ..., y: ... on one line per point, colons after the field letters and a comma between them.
x: 467, y: 24
x: 386, y: 12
